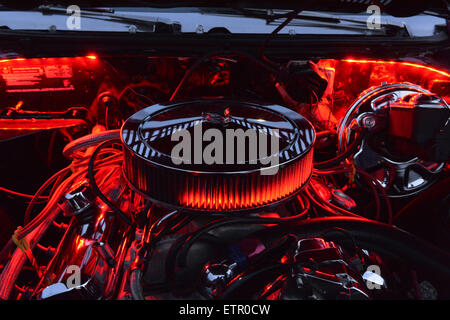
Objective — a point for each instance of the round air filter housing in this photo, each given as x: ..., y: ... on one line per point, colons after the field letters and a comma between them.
x: 217, y: 155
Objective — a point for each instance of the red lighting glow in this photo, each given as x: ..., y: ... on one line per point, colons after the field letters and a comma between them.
x: 410, y: 64
x: 89, y: 56
x: 347, y: 78
x: 224, y: 194
x: 43, y: 74
x: 38, y: 124
x: 18, y: 105
x: 80, y: 242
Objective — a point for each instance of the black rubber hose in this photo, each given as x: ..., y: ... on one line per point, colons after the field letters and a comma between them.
x: 97, y: 190
x: 226, y: 222
x: 422, y: 199
x: 136, y: 284
x: 213, y: 54
x: 235, y: 288
x: 275, y: 251
x: 379, y: 237
x: 352, y: 148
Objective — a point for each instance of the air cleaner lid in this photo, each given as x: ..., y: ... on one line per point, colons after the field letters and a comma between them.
x: 179, y: 136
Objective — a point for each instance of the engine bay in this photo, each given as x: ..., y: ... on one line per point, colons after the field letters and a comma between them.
x: 350, y: 201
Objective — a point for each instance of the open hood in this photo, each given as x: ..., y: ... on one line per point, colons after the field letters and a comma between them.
x: 393, y: 7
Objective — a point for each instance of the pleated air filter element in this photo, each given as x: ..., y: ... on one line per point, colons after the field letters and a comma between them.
x: 217, y: 155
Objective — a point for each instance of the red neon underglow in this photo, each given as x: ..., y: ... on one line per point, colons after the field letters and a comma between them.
x: 89, y: 56
x: 410, y: 64
x: 349, y: 77
x: 14, y: 59
x: 38, y: 124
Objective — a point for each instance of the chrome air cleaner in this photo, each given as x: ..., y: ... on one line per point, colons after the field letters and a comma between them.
x: 244, y: 174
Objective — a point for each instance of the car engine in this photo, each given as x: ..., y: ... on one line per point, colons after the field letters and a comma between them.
x: 223, y: 177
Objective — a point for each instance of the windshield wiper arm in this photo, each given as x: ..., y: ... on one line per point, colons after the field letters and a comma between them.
x: 152, y: 24
x: 323, y: 19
